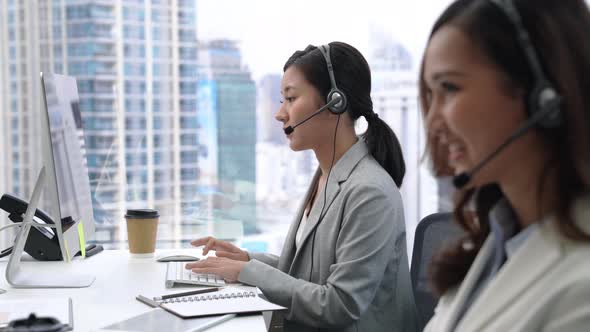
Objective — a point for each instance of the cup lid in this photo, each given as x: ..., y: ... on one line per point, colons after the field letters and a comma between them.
x: 141, y: 214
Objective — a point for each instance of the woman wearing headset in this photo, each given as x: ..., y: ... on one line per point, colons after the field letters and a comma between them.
x: 504, y: 90
x: 344, y: 264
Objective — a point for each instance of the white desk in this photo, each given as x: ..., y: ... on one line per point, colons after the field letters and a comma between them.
x: 111, y: 298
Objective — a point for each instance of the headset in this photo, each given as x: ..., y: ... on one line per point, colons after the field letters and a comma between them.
x: 335, y: 100
x: 335, y: 93
x: 543, y: 97
x: 337, y: 104
x: 543, y: 102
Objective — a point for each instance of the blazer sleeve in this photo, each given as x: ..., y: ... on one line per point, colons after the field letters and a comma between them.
x: 571, y: 312
x: 441, y: 311
x: 366, y: 242
x: 268, y: 259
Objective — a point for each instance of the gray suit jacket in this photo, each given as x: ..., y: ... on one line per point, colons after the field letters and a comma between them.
x: 360, y: 279
x: 544, y: 286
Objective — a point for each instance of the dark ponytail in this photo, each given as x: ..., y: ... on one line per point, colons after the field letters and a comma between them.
x: 385, y: 148
x: 353, y: 77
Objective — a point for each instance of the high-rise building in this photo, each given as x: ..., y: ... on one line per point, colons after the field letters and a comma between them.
x: 395, y: 99
x: 227, y: 95
x: 136, y: 66
x: 31, y: 40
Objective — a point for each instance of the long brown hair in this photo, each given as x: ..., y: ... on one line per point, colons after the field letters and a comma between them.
x: 556, y: 29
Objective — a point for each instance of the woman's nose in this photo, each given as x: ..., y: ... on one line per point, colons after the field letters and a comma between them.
x: 281, y: 115
x: 435, y: 124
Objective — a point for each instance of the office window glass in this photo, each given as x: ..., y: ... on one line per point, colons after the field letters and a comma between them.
x: 194, y: 134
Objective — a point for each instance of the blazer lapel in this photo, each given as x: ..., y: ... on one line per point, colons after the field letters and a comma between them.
x: 467, y: 285
x: 288, y: 251
x: 332, y: 190
x: 538, y: 254
x: 340, y: 173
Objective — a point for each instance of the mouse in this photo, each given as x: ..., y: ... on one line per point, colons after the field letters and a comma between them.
x: 177, y: 258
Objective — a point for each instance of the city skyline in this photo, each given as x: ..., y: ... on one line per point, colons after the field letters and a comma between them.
x: 176, y: 119
x: 283, y: 27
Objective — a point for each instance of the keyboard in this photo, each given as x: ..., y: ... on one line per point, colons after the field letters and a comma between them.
x: 177, y: 274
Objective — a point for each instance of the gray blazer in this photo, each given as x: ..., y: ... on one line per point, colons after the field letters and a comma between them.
x: 544, y: 286
x: 360, y: 279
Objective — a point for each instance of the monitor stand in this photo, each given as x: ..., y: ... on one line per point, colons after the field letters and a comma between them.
x: 18, y: 278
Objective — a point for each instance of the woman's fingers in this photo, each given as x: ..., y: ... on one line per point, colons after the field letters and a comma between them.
x: 226, y: 268
x: 209, y: 246
x: 205, y: 263
x: 200, y: 242
x: 230, y: 255
x: 208, y: 270
x: 212, y: 243
x: 224, y: 245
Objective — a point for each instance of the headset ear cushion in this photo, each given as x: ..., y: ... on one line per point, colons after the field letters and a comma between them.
x: 545, y: 99
x: 339, y: 107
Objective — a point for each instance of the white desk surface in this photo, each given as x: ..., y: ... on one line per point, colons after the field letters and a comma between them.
x: 111, y: 298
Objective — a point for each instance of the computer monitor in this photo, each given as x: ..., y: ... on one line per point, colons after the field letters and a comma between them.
x: 65, y: 161
x: 64, y: 179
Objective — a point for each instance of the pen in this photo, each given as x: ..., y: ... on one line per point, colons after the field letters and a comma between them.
x: 200, y: 291
x: 147, y: 301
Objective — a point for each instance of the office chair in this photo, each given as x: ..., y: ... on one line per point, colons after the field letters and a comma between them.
x: 432, y: 232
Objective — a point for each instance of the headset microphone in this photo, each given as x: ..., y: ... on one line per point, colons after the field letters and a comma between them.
x: 459, y: 181
x: 332, y: 102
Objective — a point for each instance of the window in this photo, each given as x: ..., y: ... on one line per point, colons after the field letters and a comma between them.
x: 133, y: 32
x: 188, y: 122
x: 101, y: 11
x: 189, y: 88
x: 199, y: 133
x: 188, y: 70
x: 135, y: 123
x: 187, y: 157
x: 186, y: 35
x: 134, y: 69
x: 187, y: 105
x: 132, y: 87
x: 77, y: 12
x: 133, y: 14
x: 134, y: 105
x: 134, y: 51
x: 85, y: 86
x: 188, y: 53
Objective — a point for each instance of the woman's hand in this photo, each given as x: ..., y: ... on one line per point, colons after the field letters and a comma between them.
x: 226, y: 268
x: 222, y: 248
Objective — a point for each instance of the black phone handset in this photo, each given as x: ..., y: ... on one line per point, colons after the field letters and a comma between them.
x: 36, y: 324
x: 42, y: 244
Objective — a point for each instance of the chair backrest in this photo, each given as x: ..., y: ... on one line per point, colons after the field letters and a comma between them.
x: 432, y: 233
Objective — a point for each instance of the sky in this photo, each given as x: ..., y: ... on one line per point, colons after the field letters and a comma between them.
x: 270, y: 31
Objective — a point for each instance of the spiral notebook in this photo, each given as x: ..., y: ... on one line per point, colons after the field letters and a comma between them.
x: 229, y: 300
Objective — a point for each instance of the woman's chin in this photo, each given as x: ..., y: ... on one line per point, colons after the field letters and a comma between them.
x: 295, y: 146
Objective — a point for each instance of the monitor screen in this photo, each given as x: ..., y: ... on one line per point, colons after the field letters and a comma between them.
x: 68, y: 157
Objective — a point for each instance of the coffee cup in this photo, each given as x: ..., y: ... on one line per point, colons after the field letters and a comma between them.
x: 142, y: 228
